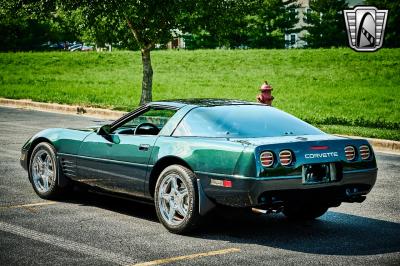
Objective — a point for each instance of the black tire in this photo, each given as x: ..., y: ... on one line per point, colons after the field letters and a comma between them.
x: 54, y: 190
x: 188, y: 179
x: 304, y: 212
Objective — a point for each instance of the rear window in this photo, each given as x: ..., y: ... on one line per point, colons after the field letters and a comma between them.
x: 247, y: 121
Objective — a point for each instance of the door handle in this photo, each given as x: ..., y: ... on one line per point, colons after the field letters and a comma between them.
x: 144, y: 147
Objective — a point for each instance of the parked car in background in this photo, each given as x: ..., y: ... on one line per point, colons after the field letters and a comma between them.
x: 75, y: 47
x: 86, y: 48
x: 80, y: 47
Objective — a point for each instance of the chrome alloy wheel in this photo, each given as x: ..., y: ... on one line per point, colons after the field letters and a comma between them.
x: 173, y: 199
x: 43, y: 171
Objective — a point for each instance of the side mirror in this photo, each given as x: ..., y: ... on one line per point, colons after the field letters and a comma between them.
x: 104, y: 130
x: 115, y: 139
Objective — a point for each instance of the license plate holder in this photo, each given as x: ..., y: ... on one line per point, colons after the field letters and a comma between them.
x: 319, y: 173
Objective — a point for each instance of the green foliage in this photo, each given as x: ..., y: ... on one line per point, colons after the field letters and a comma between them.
x: 392, y: 32
x: 22, y: 24
x: 215, y: 23
x: 240, y: 23
x: 148, y: 22
x: 68, y: 25
x: 326, y: 24
x: 28, y: 24
x: 272, y: 19
x: 380, y: 133
x: 357, y: 92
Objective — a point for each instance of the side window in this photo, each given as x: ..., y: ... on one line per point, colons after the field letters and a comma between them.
x: 155, y: 120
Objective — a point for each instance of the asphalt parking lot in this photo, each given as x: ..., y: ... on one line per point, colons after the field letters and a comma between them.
x: 95, y: 229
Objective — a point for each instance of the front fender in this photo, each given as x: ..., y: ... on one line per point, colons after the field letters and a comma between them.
x: 64, y: 140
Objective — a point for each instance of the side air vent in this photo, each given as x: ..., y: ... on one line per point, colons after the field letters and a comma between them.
x: 68, y: 167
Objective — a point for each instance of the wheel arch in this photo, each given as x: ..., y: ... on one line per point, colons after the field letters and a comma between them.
x: 160, y: 165
x: 62, y: 180
x: 34, y: 143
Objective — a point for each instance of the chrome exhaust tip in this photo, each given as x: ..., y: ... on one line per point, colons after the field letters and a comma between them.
x: 267, y: 211
x: 259, y: 211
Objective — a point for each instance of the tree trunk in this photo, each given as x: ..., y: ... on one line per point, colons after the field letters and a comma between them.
x: 147, y: 82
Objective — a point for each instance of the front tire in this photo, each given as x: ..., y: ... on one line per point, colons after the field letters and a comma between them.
x: 176, y: 199
x: 43, y: 171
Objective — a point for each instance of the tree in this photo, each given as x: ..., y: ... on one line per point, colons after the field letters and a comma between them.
x: 392, y: 32
x: 153, y: 22
x: 28, y: 24
x: 326, y: 23
x: 149, y: 22
x: 238, y: 23
x: 270, y: 21
x: 23, y: 25
x: 215, y: 23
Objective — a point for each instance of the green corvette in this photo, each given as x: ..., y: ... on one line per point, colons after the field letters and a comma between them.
x: 190, y: 156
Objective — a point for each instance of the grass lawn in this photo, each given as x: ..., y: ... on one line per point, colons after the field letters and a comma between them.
x: 340, y: 90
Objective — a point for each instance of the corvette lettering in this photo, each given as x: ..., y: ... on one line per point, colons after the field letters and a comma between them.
x: 321, y: 155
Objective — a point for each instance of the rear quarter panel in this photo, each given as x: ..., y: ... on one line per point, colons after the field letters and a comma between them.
x: 214, y: 155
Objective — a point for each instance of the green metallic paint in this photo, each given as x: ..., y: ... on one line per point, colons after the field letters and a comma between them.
x: 206, y: 154
x: 126, y: 165
x: 63, y: 139
x: 122, y: 166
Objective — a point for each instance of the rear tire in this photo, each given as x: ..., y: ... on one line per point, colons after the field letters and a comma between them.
x: 44, y: 172
x: 176, y: 199
x: 304, y: 212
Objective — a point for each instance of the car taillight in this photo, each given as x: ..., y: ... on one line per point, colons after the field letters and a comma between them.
x: 350, y: 153
x: 365, y: 153
x: 285, y: 157
x: 267, y: 159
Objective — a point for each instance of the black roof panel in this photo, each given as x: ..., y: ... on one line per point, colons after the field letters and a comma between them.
x: 202, y: 102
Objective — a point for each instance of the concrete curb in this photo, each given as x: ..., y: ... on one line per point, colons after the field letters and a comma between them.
x: 62, y: 108
x: 381, y: 145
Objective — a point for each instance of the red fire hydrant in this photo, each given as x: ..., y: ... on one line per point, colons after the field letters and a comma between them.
x: 265, y: 96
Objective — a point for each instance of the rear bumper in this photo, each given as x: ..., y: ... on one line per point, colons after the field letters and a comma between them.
x: 250, y: 191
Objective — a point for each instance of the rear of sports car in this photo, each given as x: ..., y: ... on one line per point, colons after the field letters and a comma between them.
x: 299, y: 173
x: 284, y: 163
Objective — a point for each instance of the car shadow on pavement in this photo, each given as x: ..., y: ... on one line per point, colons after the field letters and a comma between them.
x: 332, y: 234
x: 130, y: 207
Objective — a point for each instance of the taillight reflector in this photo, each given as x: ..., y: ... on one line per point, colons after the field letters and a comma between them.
x: 227, y: 183
x: 350, y: 153
x: 365, y: 153
x: 221, y: 183
x: 285, y: 157
x: 267, y: 159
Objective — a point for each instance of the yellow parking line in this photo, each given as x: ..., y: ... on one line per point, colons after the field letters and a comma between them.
x: 28, y: 205
x: 188, y: 257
